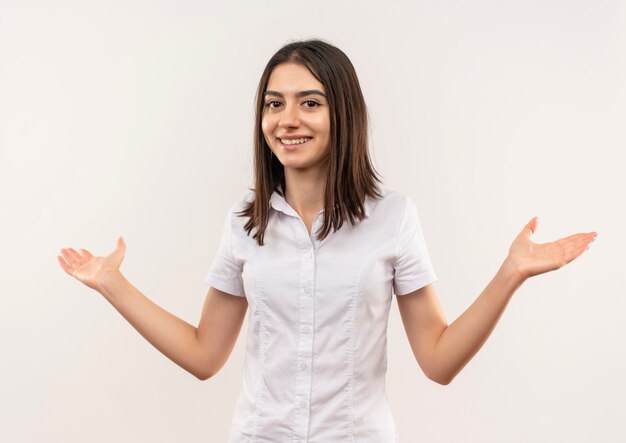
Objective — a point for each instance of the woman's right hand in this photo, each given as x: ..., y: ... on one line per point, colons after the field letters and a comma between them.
x: 91, y: 270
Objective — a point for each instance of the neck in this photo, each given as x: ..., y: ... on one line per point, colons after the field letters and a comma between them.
x: 305, y: 191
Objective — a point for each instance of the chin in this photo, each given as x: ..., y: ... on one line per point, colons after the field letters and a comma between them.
x: 297, y: 164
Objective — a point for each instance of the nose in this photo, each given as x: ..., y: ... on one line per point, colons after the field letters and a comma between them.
x: 289, y: 117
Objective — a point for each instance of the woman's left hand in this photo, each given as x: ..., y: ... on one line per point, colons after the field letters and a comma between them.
x: 532, y: 259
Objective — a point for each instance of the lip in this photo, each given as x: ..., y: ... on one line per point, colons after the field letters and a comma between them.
x: 295, y: 137
x: 293, y: 147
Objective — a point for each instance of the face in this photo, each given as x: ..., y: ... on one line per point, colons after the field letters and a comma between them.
x: 296, y: 110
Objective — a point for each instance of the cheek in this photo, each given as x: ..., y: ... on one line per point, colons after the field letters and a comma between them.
x: 322, y: 124
x: 266, y: 127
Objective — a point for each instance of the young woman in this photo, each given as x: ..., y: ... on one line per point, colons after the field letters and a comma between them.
x: 316, y: 275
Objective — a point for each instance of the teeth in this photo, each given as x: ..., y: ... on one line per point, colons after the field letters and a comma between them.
x: 295, y: 142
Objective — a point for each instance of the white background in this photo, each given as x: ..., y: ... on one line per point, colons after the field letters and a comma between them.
x: 135, y: 118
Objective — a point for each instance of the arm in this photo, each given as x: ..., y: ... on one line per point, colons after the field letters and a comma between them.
x: 443, y: 350
x: 201, y: 351
x: 174, y: 337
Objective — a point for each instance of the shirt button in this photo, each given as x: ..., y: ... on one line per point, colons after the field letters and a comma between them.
x: 302, y: 365
x: 306, y: 328
x: 303, y: 404
x: 307, y: 290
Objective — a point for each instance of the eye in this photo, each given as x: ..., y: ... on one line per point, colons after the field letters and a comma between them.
x: 314, y: 103
x: 269, y: 104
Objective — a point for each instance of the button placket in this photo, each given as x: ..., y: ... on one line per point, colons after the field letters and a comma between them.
x: 306, y: 334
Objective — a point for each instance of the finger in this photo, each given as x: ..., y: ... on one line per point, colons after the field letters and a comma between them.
x: 573, y: 251
x: 591, y: 237
x: 531, y: 227
x: 575, y: 248
x: 577, y: 239
x: 69, y: 258
x: 64, y: 265
x: 86, y: 253
x: 75, y: 254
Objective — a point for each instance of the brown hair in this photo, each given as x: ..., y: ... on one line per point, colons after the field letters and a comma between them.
x: 351, y: 175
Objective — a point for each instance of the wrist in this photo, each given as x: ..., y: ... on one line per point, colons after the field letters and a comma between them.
x: 512, y: 272
x: 110, y: 283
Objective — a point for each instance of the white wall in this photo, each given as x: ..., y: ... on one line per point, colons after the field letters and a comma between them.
x: 135, y: 118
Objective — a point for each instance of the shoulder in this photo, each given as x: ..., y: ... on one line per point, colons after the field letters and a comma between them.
x: 247, y: 198
x: 390, y: 202
x: 234, y: 218
x: 242, y: 202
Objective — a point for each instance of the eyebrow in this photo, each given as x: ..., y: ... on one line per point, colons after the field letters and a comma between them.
x: 299, y: 94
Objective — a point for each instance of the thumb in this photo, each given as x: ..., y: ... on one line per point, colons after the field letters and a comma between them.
x: 120, y: 243
x: 531, y: 227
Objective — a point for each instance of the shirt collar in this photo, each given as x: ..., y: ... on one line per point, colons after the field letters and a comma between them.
x: 279, y: 203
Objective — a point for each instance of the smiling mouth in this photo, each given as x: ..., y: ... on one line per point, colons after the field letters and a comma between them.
x: 298, y: 141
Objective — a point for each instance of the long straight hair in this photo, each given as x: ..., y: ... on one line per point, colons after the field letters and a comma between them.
x: 351, y: 175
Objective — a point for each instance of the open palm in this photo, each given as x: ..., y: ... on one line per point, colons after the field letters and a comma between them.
x: 533, y: 258
x: 89, y: 269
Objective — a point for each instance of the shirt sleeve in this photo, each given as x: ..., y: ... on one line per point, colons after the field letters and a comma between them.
x: 412, y: 266
x: 225, y: 272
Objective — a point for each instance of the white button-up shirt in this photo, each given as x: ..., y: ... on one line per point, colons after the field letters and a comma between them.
x: 316, y: 345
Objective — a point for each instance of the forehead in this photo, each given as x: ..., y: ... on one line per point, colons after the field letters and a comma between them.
x: 291, y: 78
